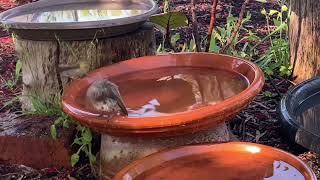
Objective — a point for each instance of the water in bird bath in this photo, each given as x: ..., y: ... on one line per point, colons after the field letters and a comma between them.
x: 223, y: 166
x: 78, y: 14
x: 165, y: 91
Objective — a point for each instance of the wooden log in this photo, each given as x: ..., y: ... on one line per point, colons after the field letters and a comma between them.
x: 28, y: 141
x: 49, y: 66
x: 304, y: 33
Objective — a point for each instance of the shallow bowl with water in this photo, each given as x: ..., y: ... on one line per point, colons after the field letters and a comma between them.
x: 77, y: 19
x: 170, y: 94
x: 227, y: 161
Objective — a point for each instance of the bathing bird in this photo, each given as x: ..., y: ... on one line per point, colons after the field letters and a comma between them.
x: 105, y: 97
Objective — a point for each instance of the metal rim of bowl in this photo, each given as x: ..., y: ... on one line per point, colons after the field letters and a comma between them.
x: 73, y: 25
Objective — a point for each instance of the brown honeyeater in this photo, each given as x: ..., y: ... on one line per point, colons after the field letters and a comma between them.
x: 105, y: 96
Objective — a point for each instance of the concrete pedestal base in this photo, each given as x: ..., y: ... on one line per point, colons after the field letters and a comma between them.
x: 118, y: 152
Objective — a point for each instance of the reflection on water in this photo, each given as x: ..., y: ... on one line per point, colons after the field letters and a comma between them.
x: 283, y: 170
x: 309, y: 118
x: 164, y: 91
x: 171, y: 90
x: 223, y: 166
x: 83, y: 15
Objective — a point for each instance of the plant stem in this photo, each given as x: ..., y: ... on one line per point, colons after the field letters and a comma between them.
x: 268, y: 29
x: 237, y: 28
x: 195, y: 25
x: 265, y: 38
x: 212, y: 23
x: 273, y: 85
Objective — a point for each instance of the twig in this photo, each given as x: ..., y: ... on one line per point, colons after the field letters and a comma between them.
x: 195, y: 25
x: 212, y: 23
x: 237, y: 28
x: 273, y: 85
x: 260, y: 104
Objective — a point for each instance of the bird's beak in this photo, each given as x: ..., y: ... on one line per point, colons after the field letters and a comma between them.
x: 122, y: 106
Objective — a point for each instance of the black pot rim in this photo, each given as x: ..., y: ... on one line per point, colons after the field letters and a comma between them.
x: 287, y: 113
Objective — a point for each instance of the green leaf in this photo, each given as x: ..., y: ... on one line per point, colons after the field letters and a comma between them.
x: 159, y: 50
x: 77, y: 141
x: 66, y: 123
x: 277, y: 22
x: 53, y: 131
x: 268, y: 71
x: 173, y: 19
x: 58, y: 121
x: 268, y: 94
x: 213, y: 45
x: 18, y: 70
x: 175, y: 38
x: 184, y: 47
x: 92, y: 158
x: 74, y: 159
x: 272, y: 12
x: 192, y: 45
x: 87, y: 136
x: 262, y: 1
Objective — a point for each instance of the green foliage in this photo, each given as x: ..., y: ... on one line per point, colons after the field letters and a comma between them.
x: 268, y: 94
x: 12, y: 83
x: 185, y: 47
x: 277, y: 57
x: 18, y: 70
x: 170, y: 20
x: 83, y: 137
x: 11, y: 102
x: 167, y: 21
x: 74, y: 159
x: 273, y: 60
x: 221, y: 35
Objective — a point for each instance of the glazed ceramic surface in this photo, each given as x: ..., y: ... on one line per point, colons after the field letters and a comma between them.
x: 226, y: 161
x: 169, y: 94
x: 300, y: 114
x: 77, y: 19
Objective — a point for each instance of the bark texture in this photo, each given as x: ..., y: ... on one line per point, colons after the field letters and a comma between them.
x: 48, y: 66
x: 304, y: 35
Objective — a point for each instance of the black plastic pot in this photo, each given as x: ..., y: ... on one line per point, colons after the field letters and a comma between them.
x: 22, y: 20
x: 299, y: 100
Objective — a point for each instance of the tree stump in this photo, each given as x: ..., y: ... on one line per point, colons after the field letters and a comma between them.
x: 304, y: 33
x: 48, y: 66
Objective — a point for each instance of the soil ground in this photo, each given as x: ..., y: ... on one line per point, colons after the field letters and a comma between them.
x: 258, y: 123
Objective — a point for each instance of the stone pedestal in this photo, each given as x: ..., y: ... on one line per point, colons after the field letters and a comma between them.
x: 118, y: 152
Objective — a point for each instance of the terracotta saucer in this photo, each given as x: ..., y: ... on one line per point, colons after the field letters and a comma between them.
x: 237, y: 160
x: 176, y: 123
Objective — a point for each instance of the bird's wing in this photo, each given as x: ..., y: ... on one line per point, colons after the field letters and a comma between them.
x: 116, y: 95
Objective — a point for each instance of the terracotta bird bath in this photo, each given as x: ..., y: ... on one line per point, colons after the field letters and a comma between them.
x: 172, y: 100
x: 227, y: 161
